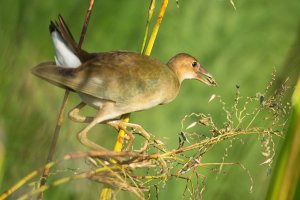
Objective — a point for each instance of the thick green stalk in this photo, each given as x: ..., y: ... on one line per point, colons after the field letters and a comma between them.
x: 285, y: 180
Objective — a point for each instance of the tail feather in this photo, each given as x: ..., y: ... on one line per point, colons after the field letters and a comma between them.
x: 68, y: 37
x: 67, y: 52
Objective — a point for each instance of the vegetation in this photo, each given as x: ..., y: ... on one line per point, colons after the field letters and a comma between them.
x: 239, y: 47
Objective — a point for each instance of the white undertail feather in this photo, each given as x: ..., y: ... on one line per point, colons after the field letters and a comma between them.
x: 64, y: 56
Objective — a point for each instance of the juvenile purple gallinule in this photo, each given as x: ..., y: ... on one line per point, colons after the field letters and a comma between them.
x: 115, y: 83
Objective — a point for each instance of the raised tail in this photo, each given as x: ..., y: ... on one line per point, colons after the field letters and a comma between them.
x: 67, y: 52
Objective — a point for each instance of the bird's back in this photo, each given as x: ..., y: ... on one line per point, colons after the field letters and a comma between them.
x: 117, y: 76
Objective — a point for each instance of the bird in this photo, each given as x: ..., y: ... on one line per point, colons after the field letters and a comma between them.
x: 116, y: 82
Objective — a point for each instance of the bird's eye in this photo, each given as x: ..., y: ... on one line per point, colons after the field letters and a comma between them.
x: 194, y: 64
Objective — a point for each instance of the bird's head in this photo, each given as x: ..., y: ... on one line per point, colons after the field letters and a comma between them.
x: 186, y: 66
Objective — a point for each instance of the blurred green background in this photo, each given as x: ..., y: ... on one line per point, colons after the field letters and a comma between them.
x: 240, y: 46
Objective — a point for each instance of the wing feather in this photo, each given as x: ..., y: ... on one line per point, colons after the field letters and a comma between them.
x: 115, y: 76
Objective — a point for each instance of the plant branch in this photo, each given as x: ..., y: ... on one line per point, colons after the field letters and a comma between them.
x: 45, y: 175
x: 86, y: 23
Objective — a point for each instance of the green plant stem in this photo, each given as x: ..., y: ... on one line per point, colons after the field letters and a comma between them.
x: 285, y: 178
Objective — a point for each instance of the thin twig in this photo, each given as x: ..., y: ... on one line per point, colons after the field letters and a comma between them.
x: 86, y: 22
x: 62, y: 109
x: 45, y: 175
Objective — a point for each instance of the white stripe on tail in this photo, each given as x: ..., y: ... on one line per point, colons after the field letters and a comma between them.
x: 64, y: 56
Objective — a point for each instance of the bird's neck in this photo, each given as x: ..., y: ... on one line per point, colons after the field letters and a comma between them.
x: 172, y: 84
x: 176, y: 71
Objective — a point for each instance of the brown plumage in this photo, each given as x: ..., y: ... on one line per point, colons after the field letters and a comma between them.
x: 118, y: 82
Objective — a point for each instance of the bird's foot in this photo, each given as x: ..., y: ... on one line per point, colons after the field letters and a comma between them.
x: 75, y: 116
x: 123, y: 125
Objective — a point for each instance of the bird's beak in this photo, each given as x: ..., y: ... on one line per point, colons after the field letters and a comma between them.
x: 206, y: 78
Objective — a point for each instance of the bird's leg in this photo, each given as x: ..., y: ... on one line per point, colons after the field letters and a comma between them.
x: 141, y: 131
x: 76, y: 117
x: 129, y: 136
x: 82, y: 135
x: 123, y: 125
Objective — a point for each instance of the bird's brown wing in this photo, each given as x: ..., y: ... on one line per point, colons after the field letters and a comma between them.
x: 115, y: 76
